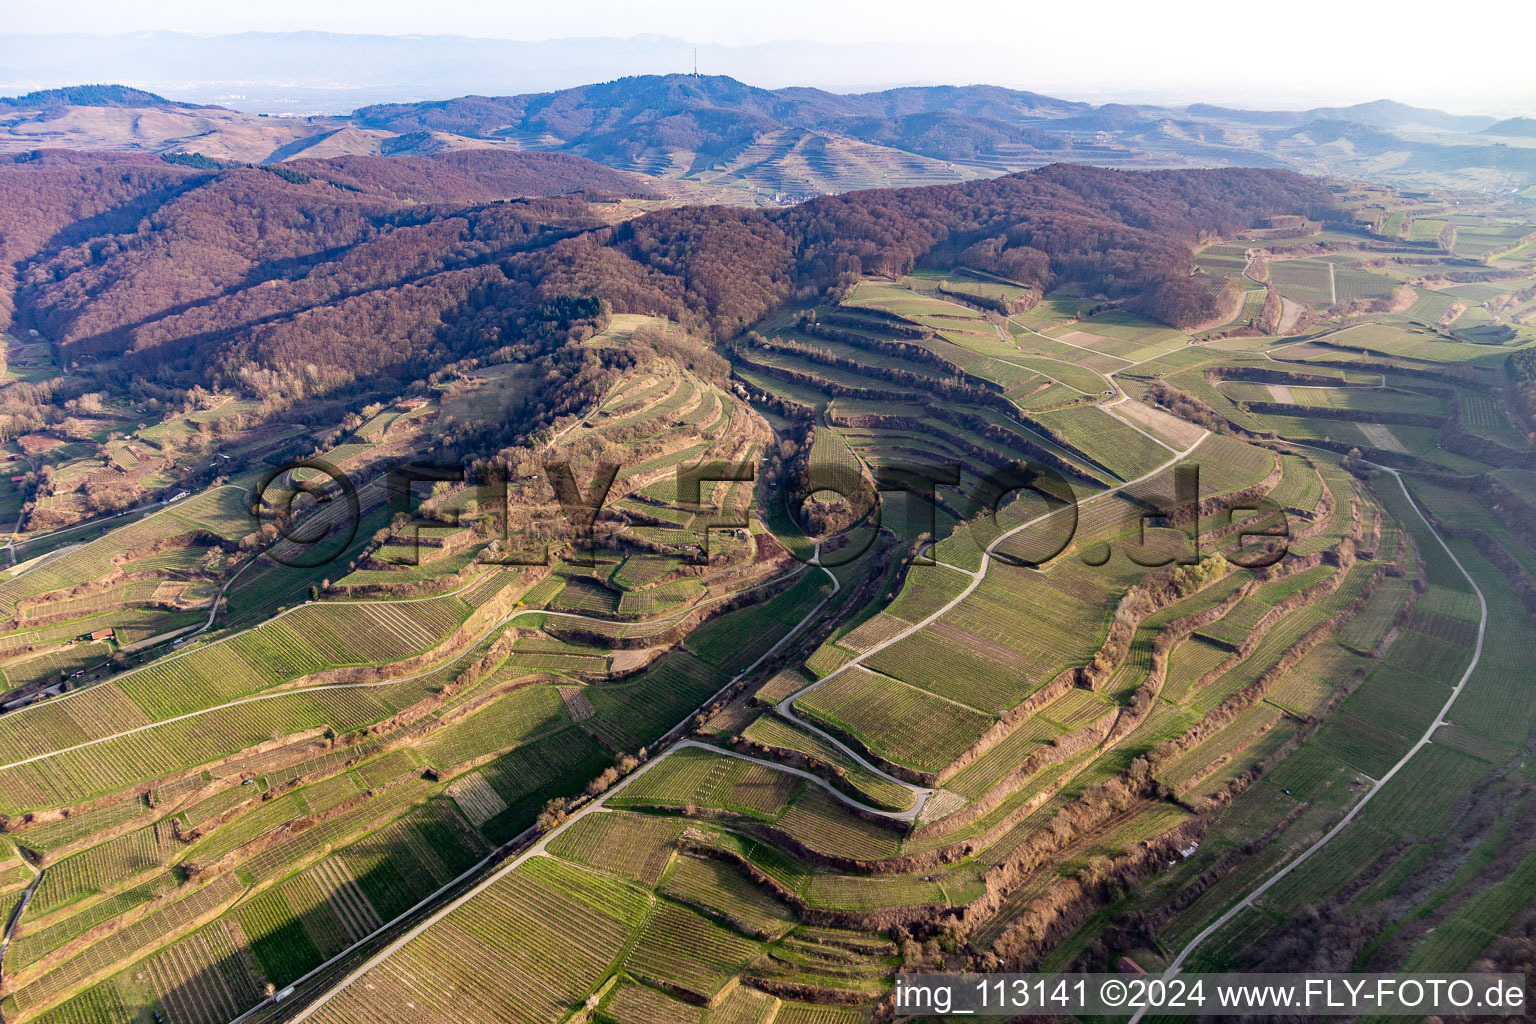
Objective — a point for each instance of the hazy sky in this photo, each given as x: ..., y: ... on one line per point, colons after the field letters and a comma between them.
x: 1466, y: 56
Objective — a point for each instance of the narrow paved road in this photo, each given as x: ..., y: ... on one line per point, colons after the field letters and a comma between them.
x: 225, y: 639
x: 274, y: 694
x: 1290, y: 310
x: 538, y: 848
x: 1305, y: 855
x: 908, y: 815
x: 1109, y: 378
x: 786, y: 706
x: 153, y: 508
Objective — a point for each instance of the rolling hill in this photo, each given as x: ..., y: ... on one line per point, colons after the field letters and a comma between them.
x: 786, y: 144
x: 665, y: 755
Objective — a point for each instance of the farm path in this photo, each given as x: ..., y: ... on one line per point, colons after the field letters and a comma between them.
x: 21, y: 906
x: 1376, y: 786
x: 1007, y: 340
x: 225, y: 639
x: 153, y: 508
x: 908, y: 815
x: 1082, y: 348
x: 1109, y: 378
x: 786, y: 706
x: 539, y: 848
x: 583, y: 421
x: 927, y: 551
x: 1109, y: 407
x: 1248, y: 254
x: 1123, y: 397
x: 275, y: 694
x: 1269, y: 354
x: 1290, y: 311
x: 10, y: 542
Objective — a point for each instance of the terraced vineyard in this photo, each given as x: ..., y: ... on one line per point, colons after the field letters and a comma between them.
x: 346, y: 758
x: 1149, y: 612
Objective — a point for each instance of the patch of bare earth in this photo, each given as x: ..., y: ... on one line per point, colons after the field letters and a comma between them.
x: 1165, y: 425
x: 1382, y: 437
x: 576, y: 702
x: 629, y: 660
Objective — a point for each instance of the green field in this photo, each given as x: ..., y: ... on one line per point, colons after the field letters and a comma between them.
x: 1308, y: 281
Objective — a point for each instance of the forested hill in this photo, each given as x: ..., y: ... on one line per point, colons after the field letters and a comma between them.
x: 93, y: 96
x: 470, y: 176
x: 714, y: 115
x: 329, y: 277
x: 1514, y: 128
x: 1126, y: 235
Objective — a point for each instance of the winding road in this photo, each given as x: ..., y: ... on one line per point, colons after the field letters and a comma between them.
x: 274, y: 694
x: 539, y: 848
x: 786, y: 706
x: 1424, y: 740
x: 599, y: 805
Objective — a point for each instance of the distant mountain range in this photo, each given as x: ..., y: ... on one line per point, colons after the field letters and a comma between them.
x: 639, y: 121
x: 1376, y: 114
x: 721, y: 134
